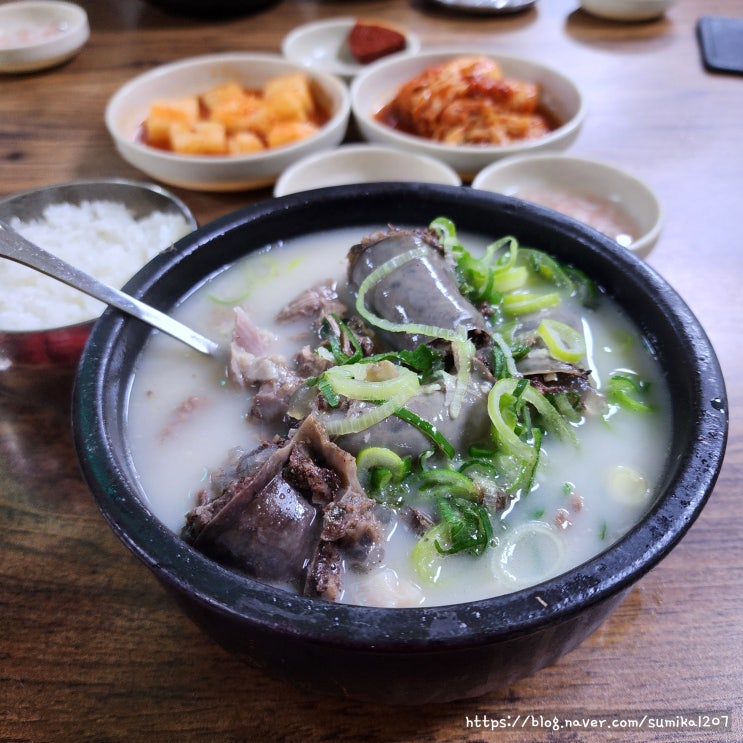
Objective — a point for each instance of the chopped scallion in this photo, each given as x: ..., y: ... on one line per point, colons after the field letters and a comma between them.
x: 469, y: 526
x: 524, y: 303
x: 564, y: 342
x: 628, y: 390
x: 428, y: 429
x: 446, y: 482
x: 391, y: 467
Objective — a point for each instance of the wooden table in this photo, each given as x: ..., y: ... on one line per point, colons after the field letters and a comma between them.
x: 90, y: 646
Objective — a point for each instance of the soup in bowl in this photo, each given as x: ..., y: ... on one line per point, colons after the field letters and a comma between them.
x: 422, y: 449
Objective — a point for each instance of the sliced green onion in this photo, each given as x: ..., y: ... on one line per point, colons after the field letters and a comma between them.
x: 506, y: 260
x: 530, y: 553
x: 519, y: 350
x: 627, y: 391
x: 505, y: 364
x: 489, y: 277
x: 334, y: 341
x: 501, y: 399
x: 584, y: 289
x: 342, y: 426
x: 428, y: 429
x: 500, y: 363
x: 474, y: 277
x: 327, y: 391
x: 379, y: 478
x: 529, y: 470
x: 510, y: 279
x: 566, y: 403
x: 379, y: 458
x: 423, y: 458
x: 548, y: 268
x: 563, y: 341
x: 485, y: 293
x: 479, y: 467
x: 463, y: 351
x: 352, y: 381
x: 469, y: 527
x: 325, y: 353
x: 524, y: 303
x: 424, y: 359
x: 382, y: 272
x: 447, y: 234
x: 480, y: 452
x: 446, y: 482
x: 426, y: 557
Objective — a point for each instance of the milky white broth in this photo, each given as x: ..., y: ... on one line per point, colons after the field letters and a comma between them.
x: 584, y: 498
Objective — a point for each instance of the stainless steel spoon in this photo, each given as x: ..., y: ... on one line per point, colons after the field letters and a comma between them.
x: 19, y: 249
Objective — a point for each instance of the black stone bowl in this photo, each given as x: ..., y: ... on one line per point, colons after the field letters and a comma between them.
x: 418, y: 655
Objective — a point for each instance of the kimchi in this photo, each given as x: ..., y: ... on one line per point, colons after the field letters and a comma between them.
x: 468, y: 101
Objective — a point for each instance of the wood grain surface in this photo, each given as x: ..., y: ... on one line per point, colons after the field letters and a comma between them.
x: 91, y: 648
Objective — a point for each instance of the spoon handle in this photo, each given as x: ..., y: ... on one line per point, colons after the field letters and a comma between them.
x: 19, y: 249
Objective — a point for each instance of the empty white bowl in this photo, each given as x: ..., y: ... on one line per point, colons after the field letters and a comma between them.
x: 627, y: 10
x: 129, y: 106
x: 360, y: 163
x: 323, y: 45
x: 36, y: 35
x: 596, y: 193
x: 378, y: 84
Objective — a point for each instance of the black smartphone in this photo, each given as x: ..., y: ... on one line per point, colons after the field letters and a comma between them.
x: 721, y: 42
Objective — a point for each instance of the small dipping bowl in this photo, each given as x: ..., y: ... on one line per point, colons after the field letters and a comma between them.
x: 323, y: 45
x: 38, y: 35
x: 362, y: 164
x: 596, y: 193
x: 59, y: 348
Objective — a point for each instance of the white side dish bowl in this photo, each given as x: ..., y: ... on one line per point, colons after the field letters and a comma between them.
x: 129, y: 106
x: 627, y: 10
x: 360, y: 163
x: 596, y: 193
x: 323, y: 45
x: 37, y: 35
x: 379, y: 83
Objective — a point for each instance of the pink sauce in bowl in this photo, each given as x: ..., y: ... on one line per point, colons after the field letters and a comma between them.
x: 28, y: 35
x: 601, y: 214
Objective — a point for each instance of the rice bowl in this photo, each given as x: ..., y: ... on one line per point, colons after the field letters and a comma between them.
x: 103, y: 238
x: 109, y: 229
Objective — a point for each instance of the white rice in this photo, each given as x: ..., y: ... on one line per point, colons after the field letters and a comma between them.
x: 102, y: 238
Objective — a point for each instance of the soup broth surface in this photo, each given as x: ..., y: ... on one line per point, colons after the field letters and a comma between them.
x: 184, y: 418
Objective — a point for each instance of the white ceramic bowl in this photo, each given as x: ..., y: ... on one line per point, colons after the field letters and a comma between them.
x: 36, y: 35
x: 361, y: 163
x: 627, y: 10
x: 323, y: 45
x: 128, y: 108
x: 596, y: 193
x: 378, y: 84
